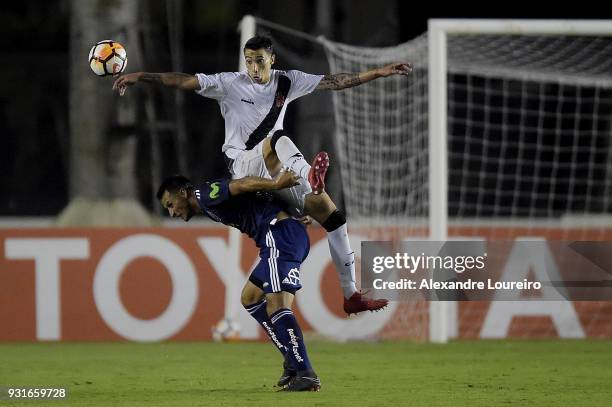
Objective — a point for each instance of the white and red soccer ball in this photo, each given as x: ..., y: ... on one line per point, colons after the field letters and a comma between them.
x: 107, y: 58
x: 226, y: 330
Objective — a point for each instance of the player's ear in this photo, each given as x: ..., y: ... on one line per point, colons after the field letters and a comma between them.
x: 272, y: 59
x: 183, y: 192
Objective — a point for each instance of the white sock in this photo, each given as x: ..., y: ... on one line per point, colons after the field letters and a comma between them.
x: 291, y: 158
x: 344, y: 259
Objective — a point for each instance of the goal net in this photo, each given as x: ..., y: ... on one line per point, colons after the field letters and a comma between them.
x: 528, y: 132
x: 381, y: 134
x: 526, y: 137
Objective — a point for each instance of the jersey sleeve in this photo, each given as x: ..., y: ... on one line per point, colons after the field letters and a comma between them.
x: 214, y: 86
x: 302, y: 83
x: 214, y: 192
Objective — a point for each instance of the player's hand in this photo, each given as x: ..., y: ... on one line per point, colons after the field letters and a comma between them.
x: 124, y: 81
x: 399, y: 68
x: 286, y: 179
x: 305, y: 220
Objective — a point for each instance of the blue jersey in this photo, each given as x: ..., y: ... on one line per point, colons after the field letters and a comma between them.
x: 250, y: 213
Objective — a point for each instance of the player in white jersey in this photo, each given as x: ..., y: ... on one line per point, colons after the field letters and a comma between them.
x: 253, y: 104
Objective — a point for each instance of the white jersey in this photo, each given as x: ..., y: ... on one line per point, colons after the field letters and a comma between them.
x: 245, y: 104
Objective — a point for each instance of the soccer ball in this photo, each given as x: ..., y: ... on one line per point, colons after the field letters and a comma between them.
x: 107, y: 58
x: 226, y: 330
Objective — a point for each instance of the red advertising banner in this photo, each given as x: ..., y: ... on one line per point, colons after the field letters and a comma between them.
x: 150, y: 284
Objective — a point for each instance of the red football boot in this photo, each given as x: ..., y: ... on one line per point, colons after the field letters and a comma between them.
x: 357, y: 303
x: 316, y: 176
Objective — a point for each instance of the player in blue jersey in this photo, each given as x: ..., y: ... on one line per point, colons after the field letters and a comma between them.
x: 283, y: 243
x: 253, y: 104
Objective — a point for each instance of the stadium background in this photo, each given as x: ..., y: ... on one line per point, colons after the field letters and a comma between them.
x: 68, y: 138
x: 78, y: 211
x: 76, y: 156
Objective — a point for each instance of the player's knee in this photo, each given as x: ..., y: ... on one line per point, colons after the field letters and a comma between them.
x: 277, y: 301
x: 250, y: 294
x: 272, y: 307
x: 319, y: 206
x: 334, y: 221
x: 246, y: 299
x: 275, y: 137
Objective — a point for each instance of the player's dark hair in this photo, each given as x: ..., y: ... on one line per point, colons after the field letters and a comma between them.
x: 259, y: 42
x: 173, y: 184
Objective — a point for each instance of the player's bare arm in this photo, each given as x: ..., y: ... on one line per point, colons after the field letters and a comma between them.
x: 171, y: 79
x: 285, y: 179
x: 348, y: 80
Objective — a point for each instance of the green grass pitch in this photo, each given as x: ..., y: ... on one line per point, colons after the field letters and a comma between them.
x: 479, y: 373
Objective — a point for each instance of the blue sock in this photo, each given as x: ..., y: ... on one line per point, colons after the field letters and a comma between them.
x: 290, y: 335
x: 258, y: 311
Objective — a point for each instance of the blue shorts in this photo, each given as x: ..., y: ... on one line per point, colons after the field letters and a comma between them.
x: 285, y: 248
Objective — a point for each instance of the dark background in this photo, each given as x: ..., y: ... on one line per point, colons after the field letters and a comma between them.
x: 34, y: 117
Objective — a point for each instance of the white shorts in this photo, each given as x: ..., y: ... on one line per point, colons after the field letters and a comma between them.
x: 250, y: 163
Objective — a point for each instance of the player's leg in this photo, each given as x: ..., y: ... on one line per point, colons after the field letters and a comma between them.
x: 290, y: 333
x: 321, y: 208
x: 254, y: 301
x: 286, y: 246
x: 278, y: 151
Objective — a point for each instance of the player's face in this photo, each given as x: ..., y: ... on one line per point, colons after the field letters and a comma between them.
x: 177, y: 204
x: 259, y: 64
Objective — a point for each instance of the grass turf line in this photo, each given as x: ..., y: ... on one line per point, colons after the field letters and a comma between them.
x: 535, y: 373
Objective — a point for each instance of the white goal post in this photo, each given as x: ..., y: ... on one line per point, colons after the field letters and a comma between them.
x: 438, y: 30
x: 444, y: 315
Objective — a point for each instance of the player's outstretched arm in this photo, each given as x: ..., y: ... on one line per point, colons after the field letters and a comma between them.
x: 348, y: 80
x: 171, y: 79
x: 285, y: 179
